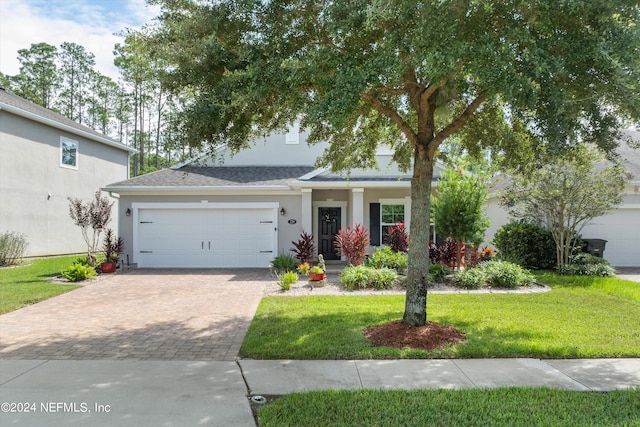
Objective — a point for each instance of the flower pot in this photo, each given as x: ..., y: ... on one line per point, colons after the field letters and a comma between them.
x: 314, y: 277
x: 108, y: 267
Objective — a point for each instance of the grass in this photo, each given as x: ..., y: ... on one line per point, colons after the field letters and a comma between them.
x: 27, y: 284
x: 577, y: 319
x: 477, y: 407
x: 609, y: 285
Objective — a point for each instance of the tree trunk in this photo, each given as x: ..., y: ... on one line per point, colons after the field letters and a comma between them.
x: 415, y: 310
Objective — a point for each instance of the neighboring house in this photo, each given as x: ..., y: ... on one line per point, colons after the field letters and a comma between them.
x: 620, y: 227
x: 244, y: 210
x: 45, y: 158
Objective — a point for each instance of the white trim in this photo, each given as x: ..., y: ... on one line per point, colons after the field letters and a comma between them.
x: 55, y: 124
x: 327, y: 204
x: 135, y: 207
x: 357, y: 206
x: 391, y: 183
x: 306, y: 209
x: 313, y: 174
x: 65, y: 140
x: 194, y: 188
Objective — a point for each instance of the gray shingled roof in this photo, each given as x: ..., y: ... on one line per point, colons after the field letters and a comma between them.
x: 13, y: 100
x: 219, y: 176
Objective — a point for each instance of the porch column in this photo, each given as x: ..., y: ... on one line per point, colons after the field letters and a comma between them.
x: 306, y: 220
x: 357, y: 206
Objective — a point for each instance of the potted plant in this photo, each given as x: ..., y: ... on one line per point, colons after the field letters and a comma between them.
x: 112, y: 249
x: 316, y: 273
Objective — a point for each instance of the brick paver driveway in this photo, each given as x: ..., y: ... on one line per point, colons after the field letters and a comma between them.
x: 140, y: 315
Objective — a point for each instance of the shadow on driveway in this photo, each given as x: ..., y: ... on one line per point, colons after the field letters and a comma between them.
x: 174, y: 314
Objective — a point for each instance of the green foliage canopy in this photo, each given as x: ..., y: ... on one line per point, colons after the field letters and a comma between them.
x: 459, y: 207
x: 565, y: 195
x: 524, y: 77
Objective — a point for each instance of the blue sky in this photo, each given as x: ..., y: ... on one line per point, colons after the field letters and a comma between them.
x: 90, y: 23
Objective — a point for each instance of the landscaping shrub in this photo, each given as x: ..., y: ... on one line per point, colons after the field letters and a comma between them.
x: 304, y: 268
x: 77, y: 272
x: 361, y: 277
x: 486, y: 254
x: 498, y: 274
x: 434, y: 252
x: 303, y: 248
x: 398, y: 238
x: 286, y: 279
x: 94, y: 215
x: 447, y: 252
x: 473, y: 278
x: 526, y: 244
x: 284, y: 262
x: 503, y: 274
x: 12, y: 247
x: 585, y: 264
x: 352, y: 243
x: 387, y: 258
x: 438, y: 272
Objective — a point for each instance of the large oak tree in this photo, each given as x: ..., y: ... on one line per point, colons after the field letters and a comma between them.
x: 523, y: 77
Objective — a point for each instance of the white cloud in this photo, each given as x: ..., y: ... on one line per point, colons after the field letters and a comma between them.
x: 89, y: 23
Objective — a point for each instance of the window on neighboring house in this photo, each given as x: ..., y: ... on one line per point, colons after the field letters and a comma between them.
x: 293, y: 136
x: 390, y: 215
x: 68, y: 153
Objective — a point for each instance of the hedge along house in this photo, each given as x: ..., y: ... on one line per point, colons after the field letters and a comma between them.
x: 45, y: 158
x: 242, y: 211
x: 620, y: 227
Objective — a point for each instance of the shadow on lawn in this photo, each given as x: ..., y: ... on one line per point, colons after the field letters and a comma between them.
x: 338, y: 336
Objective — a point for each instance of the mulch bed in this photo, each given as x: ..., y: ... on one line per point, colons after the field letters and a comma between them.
x: 400, y: 335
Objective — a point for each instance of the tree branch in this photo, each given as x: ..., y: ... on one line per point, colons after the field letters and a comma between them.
x: 324, y: 35
x: 455, y: 125
x: 392, y: 115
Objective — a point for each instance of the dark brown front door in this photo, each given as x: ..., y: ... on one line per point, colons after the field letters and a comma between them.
x: 328, y: 226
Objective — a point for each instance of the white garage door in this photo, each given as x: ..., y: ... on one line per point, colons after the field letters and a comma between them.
x: 621, y: 230
x: 205, y: 237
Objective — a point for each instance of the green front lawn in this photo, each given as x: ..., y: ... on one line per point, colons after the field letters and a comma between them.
x: 578, y: 318
x: 27, y: 284
x: 477, y: 407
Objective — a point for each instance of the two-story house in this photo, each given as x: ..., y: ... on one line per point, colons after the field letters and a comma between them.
x: 44, y: 159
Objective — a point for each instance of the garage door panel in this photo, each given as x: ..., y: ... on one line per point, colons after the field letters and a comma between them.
x: 207, y: 237
x: 621, y: 229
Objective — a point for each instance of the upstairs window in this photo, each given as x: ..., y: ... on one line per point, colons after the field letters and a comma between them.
x: 68, y: 153
x: 293, y: 136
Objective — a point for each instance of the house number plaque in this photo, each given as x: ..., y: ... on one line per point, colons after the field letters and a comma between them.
x: 292, y: 221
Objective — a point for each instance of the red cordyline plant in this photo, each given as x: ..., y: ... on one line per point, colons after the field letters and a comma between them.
x: 352, y: 243
x: 398, y: 238
x: 303, y: 248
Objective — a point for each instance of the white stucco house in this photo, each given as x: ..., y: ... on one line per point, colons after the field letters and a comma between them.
x: 242, y: 211
x: 45, y: 158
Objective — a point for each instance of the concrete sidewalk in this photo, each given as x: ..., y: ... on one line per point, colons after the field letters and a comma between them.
x: 216, y: 393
